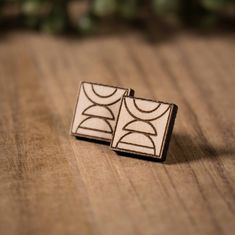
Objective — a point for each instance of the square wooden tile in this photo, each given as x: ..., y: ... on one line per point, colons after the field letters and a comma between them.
x: 96, y: 110
x: 144, y: 127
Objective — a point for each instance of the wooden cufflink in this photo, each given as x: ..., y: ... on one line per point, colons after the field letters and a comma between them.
x: 144, y: 127
x: 96, y: 110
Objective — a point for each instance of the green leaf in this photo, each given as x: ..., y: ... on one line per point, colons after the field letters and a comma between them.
x: 162, y: 7
x: 104, y: 7
x: 57, y: 20
x: 85, y: 24
x: 213, y: 4
x: 128, y: 8
x: 31, y: 7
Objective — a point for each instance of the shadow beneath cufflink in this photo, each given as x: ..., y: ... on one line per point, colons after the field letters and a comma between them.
x: 139, y: 157
x: 122, y: 154
x: 92, y: 140
x: 184, y: 148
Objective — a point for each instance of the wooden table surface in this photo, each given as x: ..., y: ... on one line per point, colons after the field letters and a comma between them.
x: 51, y: 183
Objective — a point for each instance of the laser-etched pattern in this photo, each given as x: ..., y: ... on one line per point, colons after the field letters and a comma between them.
x: 96, y: 110
x: 144, y: 127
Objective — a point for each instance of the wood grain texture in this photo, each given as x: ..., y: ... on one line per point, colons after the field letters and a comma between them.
x: 51, y: 183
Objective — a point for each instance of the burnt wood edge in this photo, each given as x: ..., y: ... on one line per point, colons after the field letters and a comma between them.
x: 169, y: 132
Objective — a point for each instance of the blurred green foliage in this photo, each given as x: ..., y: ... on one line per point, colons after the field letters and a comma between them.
x: 57, y: 16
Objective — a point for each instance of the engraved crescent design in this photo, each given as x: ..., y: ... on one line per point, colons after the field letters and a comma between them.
x: 99, y: 99
x: 96, y: 124
x: 146, y: 127
x: 145, y: 109
x: 101, y: 92
x: 132, y: 138
x: 99, y: 111
x: 137, y: 113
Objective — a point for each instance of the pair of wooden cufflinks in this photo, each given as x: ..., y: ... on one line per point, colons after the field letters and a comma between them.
x: 132, y: 125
